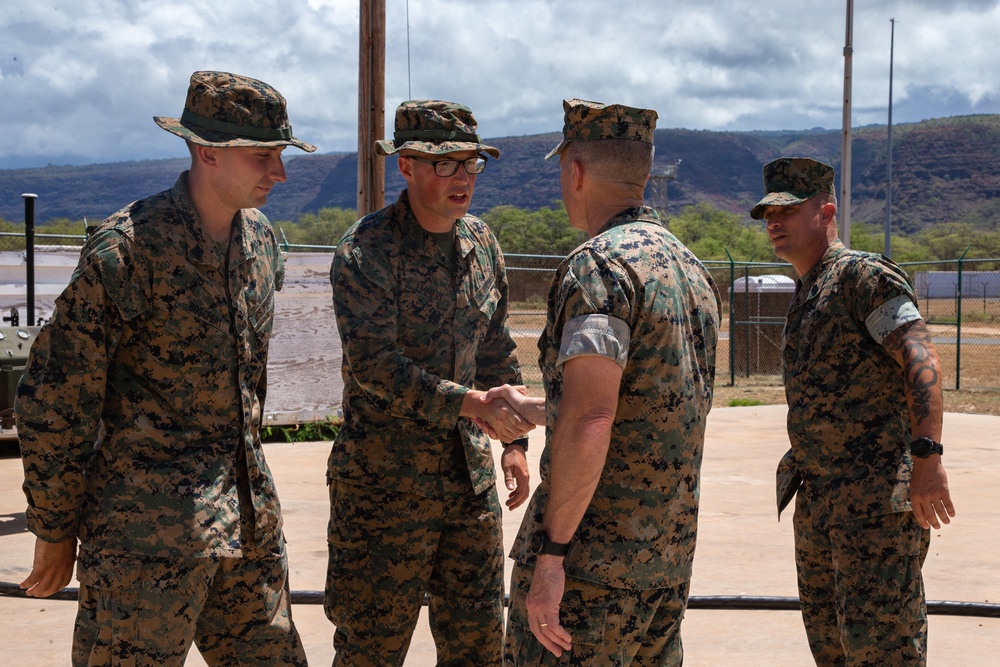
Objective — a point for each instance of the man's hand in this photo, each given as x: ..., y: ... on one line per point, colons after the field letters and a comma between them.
x: 532, y: 409
x: 52, y: 568
x: 929, y: 494
x: 547, y: 587
x: 498, y: 418
x: 515, y: 475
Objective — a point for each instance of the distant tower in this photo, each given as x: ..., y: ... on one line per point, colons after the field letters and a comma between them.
x: 659, y: 177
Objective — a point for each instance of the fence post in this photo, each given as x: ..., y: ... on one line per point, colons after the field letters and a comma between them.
x: 958, y: 330
x: 29, y: 253
x: 732, y: 319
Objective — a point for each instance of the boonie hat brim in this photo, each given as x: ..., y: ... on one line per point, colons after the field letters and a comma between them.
x: 208, y: 137
x: 386, y: 147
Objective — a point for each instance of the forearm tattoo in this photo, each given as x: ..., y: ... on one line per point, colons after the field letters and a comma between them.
x: 920, y: 372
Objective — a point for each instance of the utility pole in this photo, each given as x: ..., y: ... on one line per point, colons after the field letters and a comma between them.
x: 371, y: 106
x: 888, y: 185
x: 845, y: 153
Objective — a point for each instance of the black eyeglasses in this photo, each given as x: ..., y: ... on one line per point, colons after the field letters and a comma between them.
x: 444, y: 168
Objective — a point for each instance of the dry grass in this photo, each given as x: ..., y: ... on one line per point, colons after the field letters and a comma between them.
x: 770, y: 392
x: 980, y: 367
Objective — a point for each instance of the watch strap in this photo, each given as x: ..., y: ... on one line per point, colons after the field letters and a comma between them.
x: 923, y: 447
x: 523, y: 441
x: 551, y: 548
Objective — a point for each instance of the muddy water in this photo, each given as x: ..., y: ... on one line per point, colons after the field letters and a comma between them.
x: 303, y: 366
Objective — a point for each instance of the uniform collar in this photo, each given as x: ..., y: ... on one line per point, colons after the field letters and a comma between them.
x: 829, y: 256
x: 417, y: 240
x: 200, y: 248
x: 630, y: 215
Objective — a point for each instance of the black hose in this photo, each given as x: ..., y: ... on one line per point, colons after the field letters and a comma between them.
x: 727, y: 602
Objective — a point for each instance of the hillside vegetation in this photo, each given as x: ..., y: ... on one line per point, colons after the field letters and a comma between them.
x: 944, y: 172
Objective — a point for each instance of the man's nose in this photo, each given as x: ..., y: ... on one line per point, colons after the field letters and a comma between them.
x: 278, y: 170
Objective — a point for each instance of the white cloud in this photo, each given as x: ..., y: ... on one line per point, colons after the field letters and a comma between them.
x: 84, y: 78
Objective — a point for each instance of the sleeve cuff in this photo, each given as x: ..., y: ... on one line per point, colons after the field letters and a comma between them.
x: 50, y: 526
x: 891, y: 315
x: 595, y: 335
x: 523, y: 441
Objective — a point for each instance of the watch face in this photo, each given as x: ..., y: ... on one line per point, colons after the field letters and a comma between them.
x: 923, y: 447
x: 536, y: 543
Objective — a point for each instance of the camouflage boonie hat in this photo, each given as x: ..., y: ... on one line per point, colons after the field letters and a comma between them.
x: 592, y: 120
x: 436, y: 127
x: 227, y: 110
x: 792, y: 180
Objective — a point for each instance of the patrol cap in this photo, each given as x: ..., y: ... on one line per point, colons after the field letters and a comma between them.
x: 592, y: 120
x: 228, y: 110
x: 435, y: 127
x: 792, y: 180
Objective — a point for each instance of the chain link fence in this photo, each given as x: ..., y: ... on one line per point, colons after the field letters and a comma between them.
x: 959, y: 300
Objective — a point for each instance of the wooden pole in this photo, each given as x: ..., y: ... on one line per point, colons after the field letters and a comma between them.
x: 845, y: 153
x: 371, y: 106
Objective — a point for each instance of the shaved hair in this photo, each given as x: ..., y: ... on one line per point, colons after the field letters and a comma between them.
x: 614, y: 160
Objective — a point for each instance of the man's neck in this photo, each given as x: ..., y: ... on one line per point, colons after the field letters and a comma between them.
x: 598, y: 216
x: 216, y: 219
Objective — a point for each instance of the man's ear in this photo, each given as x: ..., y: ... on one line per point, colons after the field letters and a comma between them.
x: 829, y: 210
x: 206, y: 155
x: 405, y: 168
x: 577, y: 172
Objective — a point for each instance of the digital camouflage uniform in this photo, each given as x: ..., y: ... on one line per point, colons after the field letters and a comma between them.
x: 635, y: 294
x: 849, y: 426
x: 138, y: 419
x: 859, y: 550
x: 414, y: 506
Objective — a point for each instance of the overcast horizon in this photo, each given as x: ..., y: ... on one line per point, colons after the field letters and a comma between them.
x: 79, y: 83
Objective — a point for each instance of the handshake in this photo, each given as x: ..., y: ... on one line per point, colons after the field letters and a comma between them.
x: 506, y: 412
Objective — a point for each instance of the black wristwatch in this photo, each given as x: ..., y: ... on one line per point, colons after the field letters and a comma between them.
x: 541, y: 544
x: 523, y: 441
x: 923, y: 447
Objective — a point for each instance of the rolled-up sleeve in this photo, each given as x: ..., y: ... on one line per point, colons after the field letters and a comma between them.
x: 595, y: 335
x: 891, y: 315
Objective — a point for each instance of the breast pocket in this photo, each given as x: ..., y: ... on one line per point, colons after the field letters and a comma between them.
x: 481, y: 307
x: 261, y: 315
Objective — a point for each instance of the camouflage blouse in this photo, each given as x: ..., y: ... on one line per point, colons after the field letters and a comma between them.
x: 139, y: 410
x: 848, y: 421
x: 639, y: 529
x: 416, y: 337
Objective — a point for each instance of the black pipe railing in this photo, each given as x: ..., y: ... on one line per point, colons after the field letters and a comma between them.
x: 723, y: 602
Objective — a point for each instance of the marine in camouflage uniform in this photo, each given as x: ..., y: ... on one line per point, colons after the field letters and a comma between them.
x: 604, y: 553
x: 861, y: 380
x: 139, y: 410
x: 420, y: 293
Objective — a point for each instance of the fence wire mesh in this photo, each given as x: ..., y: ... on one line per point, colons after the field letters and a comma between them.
x: 959, y: 300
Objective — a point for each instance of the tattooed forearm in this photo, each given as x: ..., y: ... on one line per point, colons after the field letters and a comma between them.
x: 912, y: 343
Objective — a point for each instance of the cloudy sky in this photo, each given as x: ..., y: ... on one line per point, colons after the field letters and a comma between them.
x: 81, y: 79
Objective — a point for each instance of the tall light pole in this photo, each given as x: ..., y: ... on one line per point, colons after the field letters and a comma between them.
x: 845, y: 153
x: 888, y: 185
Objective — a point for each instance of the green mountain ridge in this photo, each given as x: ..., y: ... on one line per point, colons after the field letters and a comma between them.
x: 943, y: 171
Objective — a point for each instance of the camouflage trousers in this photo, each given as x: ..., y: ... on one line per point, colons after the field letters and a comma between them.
x: 139, y: 611
x: 610, y: 627
x: 387, y: 549
x: 861, y: 588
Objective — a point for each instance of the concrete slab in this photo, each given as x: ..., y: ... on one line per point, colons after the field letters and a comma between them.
x: 742, y: 550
